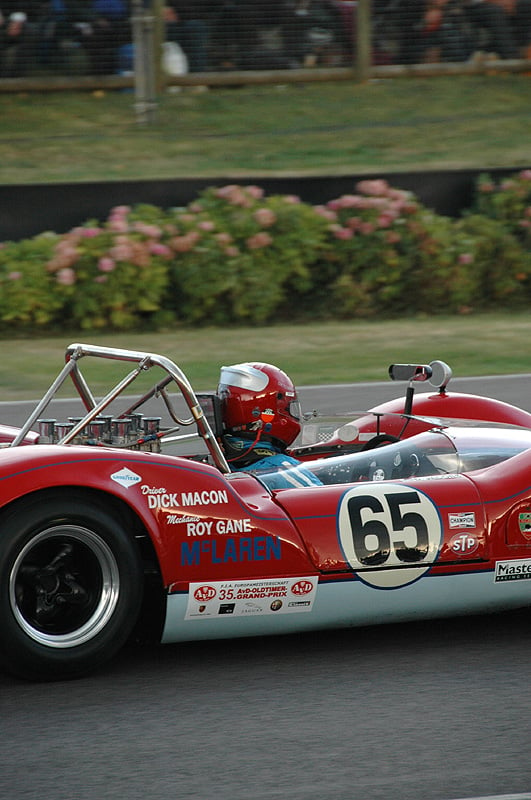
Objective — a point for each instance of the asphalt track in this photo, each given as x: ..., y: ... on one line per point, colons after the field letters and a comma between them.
x: 424, y: 711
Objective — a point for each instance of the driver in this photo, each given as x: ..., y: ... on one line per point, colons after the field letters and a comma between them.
x: 261, y: 418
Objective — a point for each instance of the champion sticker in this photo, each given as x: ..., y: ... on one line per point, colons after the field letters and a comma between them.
x: 462, y: 519
x: 125, y: 477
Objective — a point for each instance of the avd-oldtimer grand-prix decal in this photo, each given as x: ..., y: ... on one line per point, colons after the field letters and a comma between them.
x: 254, y: 597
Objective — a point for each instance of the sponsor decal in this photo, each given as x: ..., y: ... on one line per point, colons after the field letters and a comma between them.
x: 462, y: 519
x: 389, y: 534
x: 204, y: 593
x: 246, y: 549
x: 515, y: 570
x: 463, y: 544
x: 220, y: 526
x: 253, y: 597
x: 126, y: 477
x: 159, y: 497
x: 524, y: 523
x: 302, y: 587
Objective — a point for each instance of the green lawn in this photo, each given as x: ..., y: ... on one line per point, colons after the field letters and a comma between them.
x: 333, y: 352
x: 388, y: 125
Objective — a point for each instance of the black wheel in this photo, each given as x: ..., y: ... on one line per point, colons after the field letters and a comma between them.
x: 70, y: 588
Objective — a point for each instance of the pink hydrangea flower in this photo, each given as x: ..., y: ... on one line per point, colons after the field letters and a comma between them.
x: 466, y: 258
x: 106, y: 264
x: 122, y: 251
x: 89, y: 233
x: 118, y: 225
x: 66, y: 276
x: 373, y: 187
x: 159, y: 249
x: 342, y: 233
x: 183, y: 244
x: 14, y: 276
x: 255, y: 192
x: 265, y: 217
x: 223, y: 238
x: 206, y: 225
x: 259, y: 240
x: 152, y: 231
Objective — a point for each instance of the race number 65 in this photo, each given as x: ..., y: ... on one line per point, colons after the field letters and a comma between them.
x: 389, y: 535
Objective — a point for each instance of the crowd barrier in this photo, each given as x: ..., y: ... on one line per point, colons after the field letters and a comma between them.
x: 117, y: 43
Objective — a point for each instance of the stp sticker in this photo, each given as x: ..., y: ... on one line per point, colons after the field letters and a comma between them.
x: 389, y: 534
x: 463, y: 544
x: 253, y: 597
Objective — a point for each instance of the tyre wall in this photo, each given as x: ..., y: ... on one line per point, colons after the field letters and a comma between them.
x: 27, y: 210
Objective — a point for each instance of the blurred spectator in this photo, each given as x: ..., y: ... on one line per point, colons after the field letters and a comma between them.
x: 433, y: 31
x: 491, y: 27
x: 87, y: 36
x: 316, y: 32
x: 188, y: 23
x: 17, y: 39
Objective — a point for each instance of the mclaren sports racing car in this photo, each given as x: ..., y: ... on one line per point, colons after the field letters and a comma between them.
x: 119, y: 523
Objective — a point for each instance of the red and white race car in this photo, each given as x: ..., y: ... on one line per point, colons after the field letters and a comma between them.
x: 113, y: 526
x: 405, y: 416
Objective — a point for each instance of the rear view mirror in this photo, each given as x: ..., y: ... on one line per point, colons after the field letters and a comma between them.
x: 437, y: 373
x: 410, y: 372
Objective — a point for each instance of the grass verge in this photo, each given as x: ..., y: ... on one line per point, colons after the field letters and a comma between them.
x: 387, y: 125
x: 346, y: 352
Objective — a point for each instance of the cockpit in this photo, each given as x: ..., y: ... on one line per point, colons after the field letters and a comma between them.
x: 444, y: 451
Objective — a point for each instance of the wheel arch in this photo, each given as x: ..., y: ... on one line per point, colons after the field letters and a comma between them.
x: 152, y: 613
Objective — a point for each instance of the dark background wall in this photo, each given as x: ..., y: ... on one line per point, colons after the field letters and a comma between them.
x: 26, y: 210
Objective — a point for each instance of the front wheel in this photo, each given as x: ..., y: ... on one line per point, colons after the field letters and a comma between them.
x: 70, y: 588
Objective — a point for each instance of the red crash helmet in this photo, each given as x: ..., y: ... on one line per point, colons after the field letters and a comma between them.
x: 259, y: 397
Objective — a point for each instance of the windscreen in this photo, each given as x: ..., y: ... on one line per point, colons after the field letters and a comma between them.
x: 437, y: 452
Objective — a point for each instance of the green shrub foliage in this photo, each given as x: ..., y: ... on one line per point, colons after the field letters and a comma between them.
x: 234, y: 256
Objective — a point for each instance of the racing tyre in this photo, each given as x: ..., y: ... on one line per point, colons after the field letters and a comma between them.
x: 70, y: 588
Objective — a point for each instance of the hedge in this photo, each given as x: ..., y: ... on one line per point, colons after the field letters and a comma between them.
x: 236, y: 256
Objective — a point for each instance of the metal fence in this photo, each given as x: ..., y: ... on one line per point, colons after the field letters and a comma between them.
x: 65, y: 44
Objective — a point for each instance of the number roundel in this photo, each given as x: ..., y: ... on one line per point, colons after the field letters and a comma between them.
x: 390, y: 535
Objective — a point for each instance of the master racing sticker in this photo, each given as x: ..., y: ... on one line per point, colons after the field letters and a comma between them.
x: 250, y: 598
x: 389, y: 534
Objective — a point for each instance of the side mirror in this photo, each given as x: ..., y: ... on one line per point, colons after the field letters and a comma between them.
x: 437, y: 373
x: 410, y: 372
x: 440, y: 374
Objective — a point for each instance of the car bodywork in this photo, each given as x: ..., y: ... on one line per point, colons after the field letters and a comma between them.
x: 104, y: 534
x: 404, y: 416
